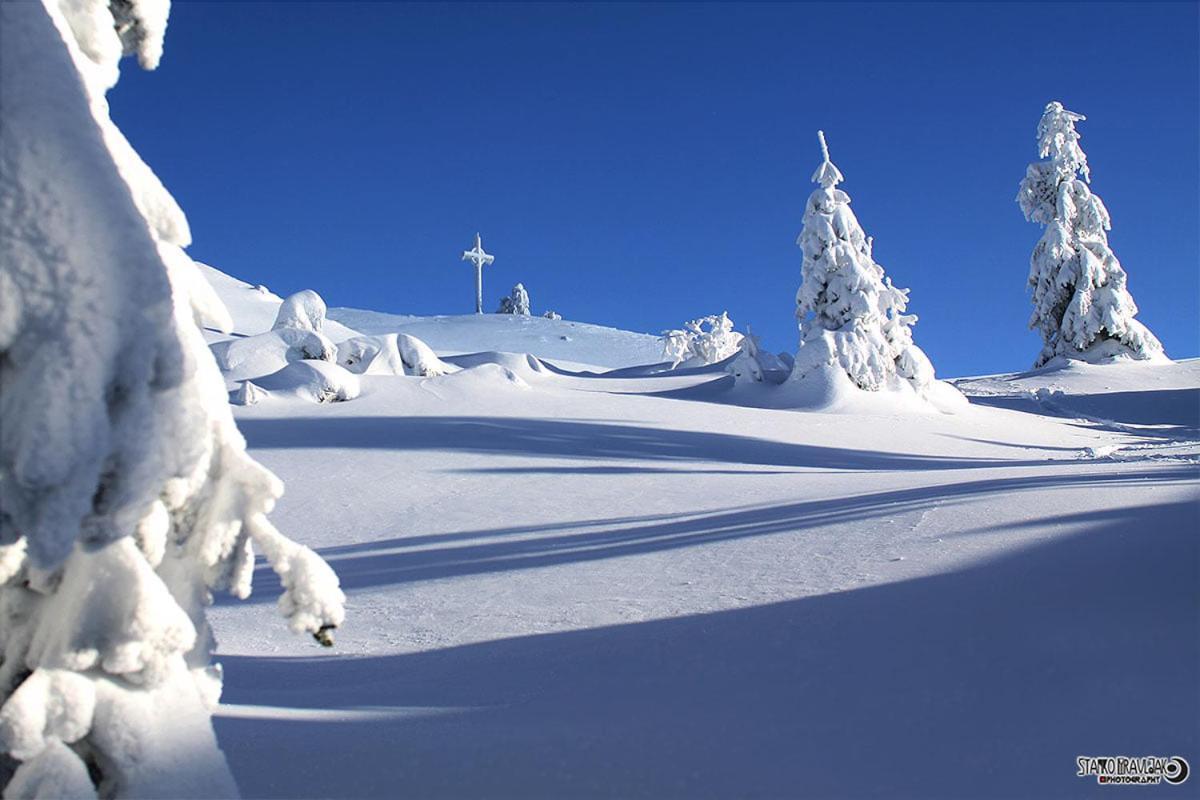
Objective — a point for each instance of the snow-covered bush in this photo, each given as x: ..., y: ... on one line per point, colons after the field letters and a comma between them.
x: 552, y: 315
x: 126, y: 493
x: 304, y: 310
x: 516, y: 303
x: 851, y: 316
x: 390, y: 354
x: 706, y: 340
x: 1081, y: 306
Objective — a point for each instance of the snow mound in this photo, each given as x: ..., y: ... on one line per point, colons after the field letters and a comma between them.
x: 390, y: 354
x: 303, y: 310
x: 484, y: 377
x: 315, y: 381
x: 820, y: 382
x: 523, y: 364
x: 255, y: 356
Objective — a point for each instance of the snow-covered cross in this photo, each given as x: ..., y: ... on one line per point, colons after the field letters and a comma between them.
x: 478, y: 257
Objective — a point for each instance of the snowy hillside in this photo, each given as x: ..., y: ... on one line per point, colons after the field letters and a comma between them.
x: 565, y: 342
x: 634, y: 585
x: 254, y: 307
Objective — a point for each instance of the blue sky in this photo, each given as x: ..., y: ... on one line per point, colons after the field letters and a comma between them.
x: 639, y: 165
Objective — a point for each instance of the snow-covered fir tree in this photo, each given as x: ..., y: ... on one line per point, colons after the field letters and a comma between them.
x: 851, y: 316
x: 517, y: 302
x: 126, y: 493
x: 1081, y: 304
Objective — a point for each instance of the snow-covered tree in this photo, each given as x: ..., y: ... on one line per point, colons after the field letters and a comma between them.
x: 851, y: 316
x: 706, y: 340
x: 126, y: 493
x: 516, y: 303
x: 1081, y: 305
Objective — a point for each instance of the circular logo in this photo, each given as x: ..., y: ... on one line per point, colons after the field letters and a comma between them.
x: 1176, y: 770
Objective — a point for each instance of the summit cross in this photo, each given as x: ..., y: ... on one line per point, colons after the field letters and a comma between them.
x: 479, y: 258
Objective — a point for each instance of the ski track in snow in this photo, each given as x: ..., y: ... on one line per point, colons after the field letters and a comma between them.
x: 580, y: 587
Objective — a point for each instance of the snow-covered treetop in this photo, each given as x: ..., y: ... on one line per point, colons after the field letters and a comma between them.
x: 1059, y: 141
x: 827, y: 175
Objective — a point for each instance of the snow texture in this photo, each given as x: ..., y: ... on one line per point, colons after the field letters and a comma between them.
x: 852, y: 318
x: 126, y: 494
x: 1082, y: 306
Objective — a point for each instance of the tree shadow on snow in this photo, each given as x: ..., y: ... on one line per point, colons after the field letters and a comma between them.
x: 551, y: 438
x: 983, y: 682
x: 1161, y: 413
x: 396, y: 561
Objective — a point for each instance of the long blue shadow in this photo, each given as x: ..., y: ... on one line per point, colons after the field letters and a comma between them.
x: 393, y: 561
x: 551, y: 438
x: 984, y: 682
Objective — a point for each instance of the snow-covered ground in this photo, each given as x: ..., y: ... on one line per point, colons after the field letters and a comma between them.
x: 567, y: 585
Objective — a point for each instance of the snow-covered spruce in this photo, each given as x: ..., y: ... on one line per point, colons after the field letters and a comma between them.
x: 126, y: 494
x: 516, y: 303
x: 701, y: 341
x: 851, y: 316
x: 1081, y: 306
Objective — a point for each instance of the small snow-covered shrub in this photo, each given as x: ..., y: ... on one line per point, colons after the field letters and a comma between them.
x: 126, y: 494
x: 304, y: 310
x: 1082, y: 307
x: 552, y: 315
x: 516, y: 303
x: 390, y: 354
x: 851, y: 316
x: 706, y: 340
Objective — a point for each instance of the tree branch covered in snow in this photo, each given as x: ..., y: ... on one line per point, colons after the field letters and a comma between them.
x: 126, y: 493
x: 1082, y: 308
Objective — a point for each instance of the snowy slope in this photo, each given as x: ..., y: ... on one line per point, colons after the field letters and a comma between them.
x: 564, y: 342
x: 253, y: 308
x: 573, y: 585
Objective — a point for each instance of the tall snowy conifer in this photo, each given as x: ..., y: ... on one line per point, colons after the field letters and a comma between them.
x: 1081, y: 306
x: 126, y: 493
x: 851, y: 317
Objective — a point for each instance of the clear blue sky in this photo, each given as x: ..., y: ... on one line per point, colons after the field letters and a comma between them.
x: 639, y: 165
